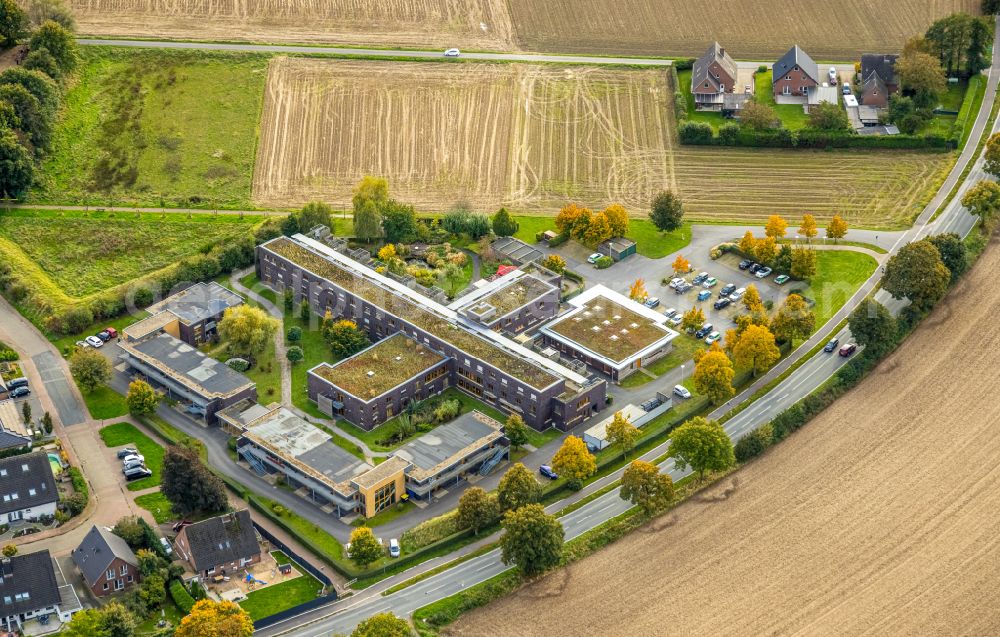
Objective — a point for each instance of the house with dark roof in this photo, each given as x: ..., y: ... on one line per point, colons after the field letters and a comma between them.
x: 219, y: 546
x: 874, y: 92
x: 13, y: 433
x: 794, y: 74
x: 192, y: 315
x: 32, y: 588
x: 107, y: 563
x: 27, y: 488
x: 882, y: 65
x: 712, y: 76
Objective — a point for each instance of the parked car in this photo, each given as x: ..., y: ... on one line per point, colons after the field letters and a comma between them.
x: 713, y: 337
x: 651, y: 302
x: 698, y: 280
x: 165, y: 543
x: 594, y: 257
x: 82, y: 344
x: 111, y: 332
x: 683, y: 287
x: 833, y: 75
x: 754, y: 267
x: 747, y: 89
x: 547, y: 471
x: 763, y: 273
x: 452, y: 53
x: 704, y: 331
x: 393, y: 547
x: 133, y: 457
x: 848, y: 349
x: 17, y: 382
x: 831, y: 345
x: 676, y: 320
x: 727, y: 290
x: 710, y: 282
x: 781, y: 279
x: 704, y: 295
x: 722, y: 303
x: 134, y: 463
x: 745, y: 264
x: 126, y: 452
x: 19, y: 392
x: 94, y: 341
x: 136, y: 473
x: 846, y: 89
x: 737, y: 295
x: 682, y: 391
x: 670, y: 312
x: 676, y: 281
x: 104, y: 336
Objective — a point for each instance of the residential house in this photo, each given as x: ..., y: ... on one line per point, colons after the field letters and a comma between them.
x: 107, y: 563
x: 13, y: 432
x: 219, y: 546
x: 874, y: 92
x: 27, y: 487
x: 30, y: 588
x: 712, y: 76
x: 883, y: 65
x: 192, y: 315
x: 794, y: 74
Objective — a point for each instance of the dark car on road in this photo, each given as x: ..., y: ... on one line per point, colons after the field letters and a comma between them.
x: 726, y: 291
x: 704, y: 331
x: 745, y: 264
x: 19, y: 392
x: 547, y: 471
x: 722, y: 303
x: 831, y: 345
x: 848, y: 349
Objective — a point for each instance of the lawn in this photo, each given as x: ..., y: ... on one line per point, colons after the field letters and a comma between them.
x: 386, y: 515
x: 157, y: 504
x: 104, y: 403
x: 650, y: 242
x: 316, y: 351
x: 169, y: 611
x: 157, y: 127
x: 124, y: 433
x: 684, y: 348
x: 276, y: 597
x: 792, y: 116
x: 266, y: 372
x: 253, y: 283
x: 839, y: 274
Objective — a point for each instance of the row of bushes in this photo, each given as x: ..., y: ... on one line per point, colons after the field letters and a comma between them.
x: 181, y: 597
x: 680, y: 102
x: 965, y: 111
x: 732, y: 134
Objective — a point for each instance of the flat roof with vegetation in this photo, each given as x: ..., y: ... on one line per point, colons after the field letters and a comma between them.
x: 609, y: 329
x: 380, y: 368
x: 516, y: 294
x: 402, y: 307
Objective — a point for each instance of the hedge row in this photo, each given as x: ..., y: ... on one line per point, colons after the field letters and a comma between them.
x: 732, y: 134
x: 680, y: 102
x: 181, y: 597
x: 965, y: 111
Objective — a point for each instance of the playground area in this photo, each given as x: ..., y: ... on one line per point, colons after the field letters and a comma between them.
x: 265, y: 574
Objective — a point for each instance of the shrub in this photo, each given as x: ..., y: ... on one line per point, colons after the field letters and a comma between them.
x: 430, y: 531
x: 728, y: 133
x: 684, y: 64
x: 699, y: 133
x: 558, y: 240
x: 181, y: 597
x: 604, y: 262
x: 753, y: 444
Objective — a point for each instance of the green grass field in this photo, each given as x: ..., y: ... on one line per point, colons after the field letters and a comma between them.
x: 792, y: 116
x: 124, y: 433
x: 649, y: 241
x: 839, y: 274
x: 104, y: 403
x: 108, y: 249
x: 279, y: 595
x: 157, y: 127
x: 157, y: 504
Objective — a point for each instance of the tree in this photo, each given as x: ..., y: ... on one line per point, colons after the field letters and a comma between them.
x: 906, y: 115
x: 47, y: 422
x: 916, y: 272
x: 503, y: 223
x: 16, y: 167
x: 872, y: 325
x: 751, y: 299
x: 808, y: 227
x: 713, y: 375
x: 13, y: 23
x: 477, y: 509
x: 532, y: 539
x: 344, y: 337
x: 755, y: 349
x: 752, y: 444
x: 681, y: 265
x: 367, y: 222
x: 42, y: 60
x: 399, y: 222
x: 456, y: 220
x: 189, y: 485
x: 953, y: 253
x: 247, y: 330
x: 803, y: 263
x: 618, y: 219
x: 621, y: 433
x: 387, y: 253
x: 477, y: 226
x: 36, y: 124
x: 573, y: 220
x: 794, y: 319
x: 748, y: 244
x: 983, y: 199
x: 783, y: 260
x: 837, y: 228
x: 149, y: 562
x: 294, y: 354
x: 153, y: 590
x: 26, y: 412
x: 142, y: 399
x: 370, y: 189
x: 40, y: 11
x: 517, y: 431
x: 757, y: 115
x: 130, y: 529
x: 693, y: 319
x: 829, y: 117
x: 703, y: 445
x: 961, y: 41
x: 637, y: 292
x: 776, y: 227
x: 555, y: 263
x: 58, y: 41
x: 90, y: 369
x: 991, y: 7
x: 766, y: 249
x: 920, y: 77
x: 10, y: 550
x: 382, y: 625
x: 315, y: 213
x: 574, y: 462
x: 644, y: 486
x: 117, y: 621
x: 365, y: 548
x: 45, y: 90
x: 517, y: 488
x: 86, y: 623
x: 598, y: 230
x: 666, y: 211
x: 221, y: 619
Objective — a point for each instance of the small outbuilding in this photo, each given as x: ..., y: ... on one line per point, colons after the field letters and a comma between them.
x: 617, y: 248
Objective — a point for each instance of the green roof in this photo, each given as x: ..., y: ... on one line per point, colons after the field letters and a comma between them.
x: 516, y: 294
x: 404, y: 308
x: 609, y: 329
x: 381, y: 367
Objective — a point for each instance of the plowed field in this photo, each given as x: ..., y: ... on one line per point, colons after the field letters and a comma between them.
x: 533, y: 137
x: 881, y: 517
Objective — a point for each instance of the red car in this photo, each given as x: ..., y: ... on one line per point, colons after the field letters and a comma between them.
x: 112, y: 332
x: 848, y: 349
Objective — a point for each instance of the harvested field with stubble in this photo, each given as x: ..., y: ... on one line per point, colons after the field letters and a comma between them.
x: 482, y: 24
x: 881, y: 517
x: 533, y: 137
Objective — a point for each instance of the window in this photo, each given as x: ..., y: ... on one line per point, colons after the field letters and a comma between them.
x: 130, y: 579
x: 3, y: 472
x: 110, y: 574
x: 119, y: 585
x: 385, y: 496
x: 32, y: 492
x: 124, y: 569
x: 105, y: 586
x: 24, y: 468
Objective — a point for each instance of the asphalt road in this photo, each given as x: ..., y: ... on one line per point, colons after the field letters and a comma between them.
x: 366, y: 53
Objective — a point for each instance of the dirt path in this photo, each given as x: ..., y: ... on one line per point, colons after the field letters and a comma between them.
x: 880, y: 517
